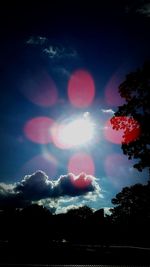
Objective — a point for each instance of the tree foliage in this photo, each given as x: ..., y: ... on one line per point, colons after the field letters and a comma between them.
x: 136, y: 92
x: 82, y: 212
x: 132, y: 204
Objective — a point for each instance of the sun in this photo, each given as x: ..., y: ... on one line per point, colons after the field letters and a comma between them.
x: 78, y: 132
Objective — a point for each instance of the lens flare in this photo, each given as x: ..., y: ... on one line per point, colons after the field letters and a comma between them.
x: 77, y: 132
x: 40, y: 89
x: 112, y: 96
x: 82, y: 180
x: 81, y: 163
x: 48, y: 164
x: 56, y: 133
x: 120, y: 171
x: 38, y: 130
x: 81, y: 89
x: 122, y: 130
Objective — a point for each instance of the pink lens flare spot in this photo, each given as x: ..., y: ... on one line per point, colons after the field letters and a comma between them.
x: 81, y: 89
x: 41, y: 90
x: 38, y: 130
x: 120, y: 171
x: 112, y: 95
x: 41, y: 162
x: 82, y: 180
x: 81, y: 162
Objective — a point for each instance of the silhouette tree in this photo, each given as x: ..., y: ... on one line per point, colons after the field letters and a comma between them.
x: 33, y: 224
x: 132, y: 204
x: 36, y: 210
x: 81, y: 212
x: 134, y: 116
x: 77, y: 224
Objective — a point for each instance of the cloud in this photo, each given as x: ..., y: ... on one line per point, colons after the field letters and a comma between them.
x: 38, y: 40
x: 9, y: 198
x: 38, y: 188
x: 70, y: 207
x: 63, y: 71
x: 107, y: 210
x: 59, y: 52
x: 144, y: 10
x: 108, y: 111
x: 6, y: 187
x: 139, y: 7
x: 35, y: 186
x: 52, y: 50
x: 72, y: 185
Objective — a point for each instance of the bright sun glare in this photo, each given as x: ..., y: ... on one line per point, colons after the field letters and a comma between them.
x: 78, y: 132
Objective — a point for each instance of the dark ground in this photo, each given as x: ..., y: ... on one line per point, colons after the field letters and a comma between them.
x: 65, y: 253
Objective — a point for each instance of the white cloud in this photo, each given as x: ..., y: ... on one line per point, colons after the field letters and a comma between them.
x: 6, y: 187
x: 38, y: 40
x: 51, y: 51
x: 108, y: 111
x: 55, y: 52
x: 62, y: 209
x: 107, y: 210
x: 70, y: 207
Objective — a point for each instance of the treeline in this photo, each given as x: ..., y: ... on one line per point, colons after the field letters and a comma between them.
x: 128, y: 223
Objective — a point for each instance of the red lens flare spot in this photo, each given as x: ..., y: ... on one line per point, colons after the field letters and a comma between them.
x: 81, y: 89
x: 38, y: 130
x: 122, y: 130
x: 41, y: 90
x: 81, y: 181
x: 81, y: 162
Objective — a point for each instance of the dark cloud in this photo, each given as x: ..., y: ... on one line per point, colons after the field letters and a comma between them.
x: 8, y: 198
x: 37, y: 187
x: 74, y: 185
x: 141, y: 7
x: 144, y: 10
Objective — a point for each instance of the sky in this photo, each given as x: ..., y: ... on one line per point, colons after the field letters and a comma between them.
x: 60, y: 67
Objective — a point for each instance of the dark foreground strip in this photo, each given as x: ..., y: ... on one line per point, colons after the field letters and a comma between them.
x: 70, y: 265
